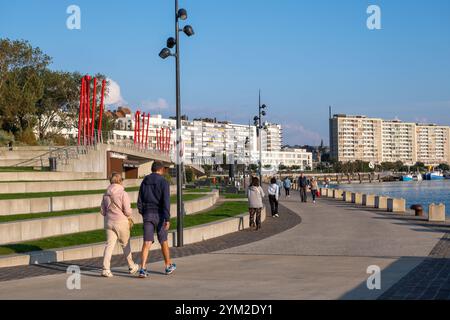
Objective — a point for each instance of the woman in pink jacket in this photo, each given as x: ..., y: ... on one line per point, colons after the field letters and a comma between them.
x: 116, y: 208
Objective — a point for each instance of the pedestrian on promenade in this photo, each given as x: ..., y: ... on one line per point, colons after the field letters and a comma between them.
x: 154, y: 206
x: 255, y: 196
x: 280, y: 186
x: 303, y: 186
x: 287, y: 187
x: 274, y: 194
x: 314, y: 189
x: 116, y: 208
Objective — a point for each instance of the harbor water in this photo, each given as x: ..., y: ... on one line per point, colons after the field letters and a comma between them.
x: 423, y: 192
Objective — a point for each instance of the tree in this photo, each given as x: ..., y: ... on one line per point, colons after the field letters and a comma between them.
x: 19, y: 54
x: 57, y: 108
x: 444, y: 167
x: 189, y: 175
x: 21, y: 68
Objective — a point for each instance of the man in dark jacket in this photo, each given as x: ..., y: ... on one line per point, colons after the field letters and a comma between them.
x: 303, y: 186
x: 154, y: 206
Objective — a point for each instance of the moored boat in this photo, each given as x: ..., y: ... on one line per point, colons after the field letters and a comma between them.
x: 435, y: 175
x: 407, y: 177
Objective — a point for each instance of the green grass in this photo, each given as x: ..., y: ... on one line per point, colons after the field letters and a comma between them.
x: 201, y: 190
x: 76, y: 180
x: 20, y: 169
x: 235, y: 196
x: 14, y: 196
x: 224, y: 211
x: 21, y: 217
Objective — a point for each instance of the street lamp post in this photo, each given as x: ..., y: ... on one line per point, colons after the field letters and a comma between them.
x: 259, y: 125
x: 180, y: 14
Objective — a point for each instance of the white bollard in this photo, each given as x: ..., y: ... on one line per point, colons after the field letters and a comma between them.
x: 436, y: 213
x: 396, y: 205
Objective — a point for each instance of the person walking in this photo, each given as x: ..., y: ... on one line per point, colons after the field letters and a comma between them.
x: 303, y: 186
x: 280, y: 186
x: 255, y: 196
x: 116, y: 208
x: 314, y: 189
x: 274, y: 194
x: 287, y: 187
x: 154, y: 206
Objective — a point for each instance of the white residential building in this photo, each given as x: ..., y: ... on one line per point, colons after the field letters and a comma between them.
x: 206, y: 142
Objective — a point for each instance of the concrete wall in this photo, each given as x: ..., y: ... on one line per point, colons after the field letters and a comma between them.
x: 48, y: 176
x: 59, y: 186
x: 41, y: 205
x: 191, y: 235
x: 93, y: 161
x: 25, y: 230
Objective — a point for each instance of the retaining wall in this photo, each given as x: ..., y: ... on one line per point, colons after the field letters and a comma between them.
x: 25, y: 230
x: 49, y: 176
x: 191, y: 235
x: 60, y: 186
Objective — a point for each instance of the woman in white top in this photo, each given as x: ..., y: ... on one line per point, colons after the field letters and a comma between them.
x: 274, y: 194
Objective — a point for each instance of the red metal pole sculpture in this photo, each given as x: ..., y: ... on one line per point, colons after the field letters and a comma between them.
x: 102, y: 109
x: 94, y: 105
x: 158, y: 139
x: 139, y: 128
x: 143, y: 131
x: 148, y: 128
x: 88, y: 108
x: 85, y: 110
x: 80, y: 112
x: 135, y: 128
x: 169, y: 133
x: 163, y: 138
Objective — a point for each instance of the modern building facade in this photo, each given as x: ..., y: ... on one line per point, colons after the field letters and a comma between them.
x: 376, y: 140
x: 208, y: 141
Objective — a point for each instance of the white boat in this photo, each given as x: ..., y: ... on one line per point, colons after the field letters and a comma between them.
x: 436, y: 175
x: 417, y: 177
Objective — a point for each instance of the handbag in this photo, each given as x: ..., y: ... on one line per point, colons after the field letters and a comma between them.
x: 130, y: 219
x: 130, y: 222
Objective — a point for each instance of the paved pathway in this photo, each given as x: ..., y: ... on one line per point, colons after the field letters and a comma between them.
x: 324, y: 257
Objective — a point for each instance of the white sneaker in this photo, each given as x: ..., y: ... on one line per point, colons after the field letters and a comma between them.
x: 314, y: 201
x: 107, y: 274
x: 134, y: 269
x: 277, y: 215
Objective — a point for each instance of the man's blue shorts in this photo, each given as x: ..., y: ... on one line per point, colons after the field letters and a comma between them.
x: 154, y: 223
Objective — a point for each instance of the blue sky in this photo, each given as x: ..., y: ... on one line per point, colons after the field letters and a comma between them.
x: 304, y: 55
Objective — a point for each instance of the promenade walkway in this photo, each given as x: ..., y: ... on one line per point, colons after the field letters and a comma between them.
x: 326, y: 256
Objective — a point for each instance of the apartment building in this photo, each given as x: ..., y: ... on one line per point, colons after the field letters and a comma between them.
x: 433, y: 144
x: 399, y: 142
x: 207, y: 141
x: 376, y: 140
x: 355, y: 138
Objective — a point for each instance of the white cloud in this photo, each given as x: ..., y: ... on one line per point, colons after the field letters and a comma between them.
x: 159, y: 104
x: 298, y: 134
x: 114, y: 96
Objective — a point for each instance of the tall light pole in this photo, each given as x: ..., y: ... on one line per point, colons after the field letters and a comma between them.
x: 259, y: 126
x: 180, y: 14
